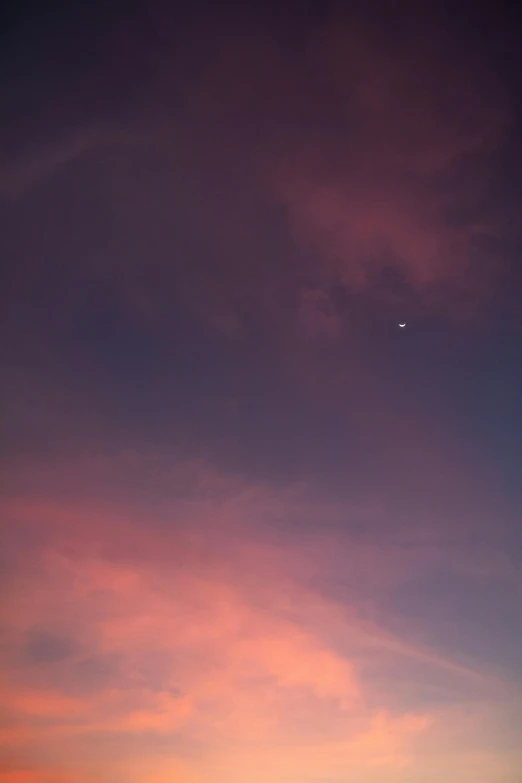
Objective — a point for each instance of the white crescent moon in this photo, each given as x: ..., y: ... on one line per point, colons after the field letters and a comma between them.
x: 402, y: 326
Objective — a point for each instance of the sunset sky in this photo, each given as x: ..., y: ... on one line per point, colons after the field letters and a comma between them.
x: 253, y: 531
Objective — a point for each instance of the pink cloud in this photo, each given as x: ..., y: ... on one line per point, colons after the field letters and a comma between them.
x: 419, y: 133
x: 220, y: 638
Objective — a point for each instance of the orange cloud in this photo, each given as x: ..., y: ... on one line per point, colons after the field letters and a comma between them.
x: 218, y: 642
x: 24, y: 773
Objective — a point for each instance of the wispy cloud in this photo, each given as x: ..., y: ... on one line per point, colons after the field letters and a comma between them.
x: 227, y: 639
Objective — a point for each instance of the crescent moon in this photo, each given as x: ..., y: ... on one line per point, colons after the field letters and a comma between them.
x: 402, y: 326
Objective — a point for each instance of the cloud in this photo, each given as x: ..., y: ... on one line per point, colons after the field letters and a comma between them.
x: 30, y: 168
x: 199, y: 655
x: 419, y: 136
x: 228, y: 641
x: 250, y: 190
x: 11, y: 772
x: 287, y: 574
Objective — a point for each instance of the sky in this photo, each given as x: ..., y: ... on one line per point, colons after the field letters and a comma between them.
x: 252, y: 530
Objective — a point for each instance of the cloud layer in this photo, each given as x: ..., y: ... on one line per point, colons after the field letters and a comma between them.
x: 251, y: 530
x: 195, y: 642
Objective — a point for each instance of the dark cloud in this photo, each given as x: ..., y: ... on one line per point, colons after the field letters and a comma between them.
x: 255, y: 198
x: 44, y: 647
x: 239, y: 172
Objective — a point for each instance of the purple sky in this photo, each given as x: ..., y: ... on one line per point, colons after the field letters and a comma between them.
x: 252, y: 530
